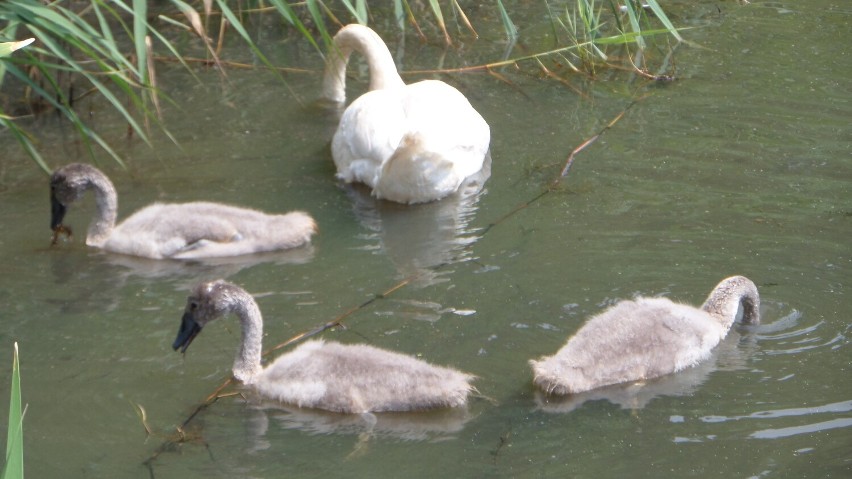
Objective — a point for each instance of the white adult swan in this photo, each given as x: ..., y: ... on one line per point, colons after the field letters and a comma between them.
x: 354, y: 378
x: 409, y: 143
x: 180, y: 231
x: 645, y: 338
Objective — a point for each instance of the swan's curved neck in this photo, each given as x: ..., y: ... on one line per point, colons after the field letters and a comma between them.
x: 247, y: 362
x: 365, y: 41
x: 725, y: 300
x: 106, y: 200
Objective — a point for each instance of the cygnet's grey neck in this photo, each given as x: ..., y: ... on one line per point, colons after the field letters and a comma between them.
x: 383, y: 73
x: 247, y: 362
x: 725, y: 300
x: 106, y: 200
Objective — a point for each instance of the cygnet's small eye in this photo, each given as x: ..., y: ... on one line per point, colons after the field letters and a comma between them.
x: 193, y: 305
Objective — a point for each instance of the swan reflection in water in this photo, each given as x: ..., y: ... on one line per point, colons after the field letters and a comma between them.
x: 93, y: 279
x: 436, y: 425
x: 418, y: 239
x: 189, y: 272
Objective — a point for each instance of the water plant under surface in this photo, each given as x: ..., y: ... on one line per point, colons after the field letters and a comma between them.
x: 107, y: 48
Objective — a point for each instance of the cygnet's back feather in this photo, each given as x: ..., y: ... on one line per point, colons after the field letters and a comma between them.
x: 645, y: 338
x: 360, y: 378
x: 207, y: 230
x: 180, y: 231
x: 324, y: 375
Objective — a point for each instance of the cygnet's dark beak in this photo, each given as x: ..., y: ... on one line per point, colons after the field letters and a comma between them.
x: 57, y: 212
x: 189, y: 329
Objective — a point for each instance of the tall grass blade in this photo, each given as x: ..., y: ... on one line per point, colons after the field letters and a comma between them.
x: 633, y: 16
x: 319, y: 21
x: 195, y: 21
x: 359, y: 10
x: 411, y: 18
x: 439, y: 16
x: 229, y: 14
x: 661, y: 15
x: 238, y: 26
x: 287, y: 12
x: 106, y: 31
x: 511, y: 29
x: 361, y: 7
x: 464, y: 18
x: 10, y: 31
x: 60, y: 104
x: 25, y: 141
x: 118, y: 79
x: 140, y: 30
x: 623, y: 38
x: 399, y: 14
x: 6, y: 48
x: 159, y: 36
x: 14, y: 467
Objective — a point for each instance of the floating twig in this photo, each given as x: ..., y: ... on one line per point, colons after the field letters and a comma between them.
x: 140, y: 411
x: 504, y: 439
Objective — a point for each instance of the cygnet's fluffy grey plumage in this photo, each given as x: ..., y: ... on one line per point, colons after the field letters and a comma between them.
x: 354, y: 378
x: 180, y: 231
x: 645, y: 338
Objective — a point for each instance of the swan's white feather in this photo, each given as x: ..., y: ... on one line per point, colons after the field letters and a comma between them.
x: 429, y: 123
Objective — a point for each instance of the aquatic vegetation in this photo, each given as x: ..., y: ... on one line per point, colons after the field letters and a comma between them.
x: 6, y: 48
x: 14, y: 465
x: 86, y: 43
x: 107, y: 48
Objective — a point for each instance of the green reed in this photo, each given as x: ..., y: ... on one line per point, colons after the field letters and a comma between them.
x: 13, y: 468
x: 106, y: 47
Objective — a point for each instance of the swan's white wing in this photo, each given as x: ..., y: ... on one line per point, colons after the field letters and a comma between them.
x: 447, y: 124
x: 369, y: 132
x: 429, y: 124
x: 415, y: 175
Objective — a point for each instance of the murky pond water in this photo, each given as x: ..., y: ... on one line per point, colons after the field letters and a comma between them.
x: 742, y: 166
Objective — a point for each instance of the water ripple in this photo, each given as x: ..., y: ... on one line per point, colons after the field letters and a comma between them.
x: 835, y: 340
x: 806, y: 429
x: 791, y: 334
x: 781, y: 324
x: 794, y: 341
x: 838, y: 407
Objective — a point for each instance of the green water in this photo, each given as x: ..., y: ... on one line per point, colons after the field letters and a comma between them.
x: 740, y: 166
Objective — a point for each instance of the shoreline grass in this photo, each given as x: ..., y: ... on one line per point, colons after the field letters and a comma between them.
x: 108, y: 47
